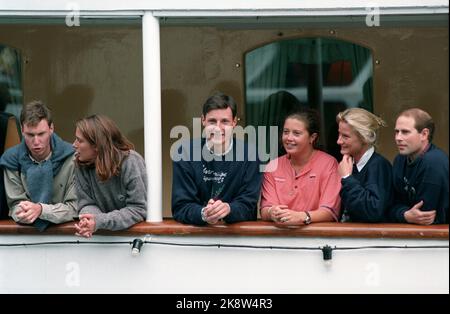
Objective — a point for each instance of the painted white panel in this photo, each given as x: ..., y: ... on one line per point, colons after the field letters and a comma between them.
x: 173, y: 269
x: 210, y: 5
x: 152, y: 115
x: 226, y: 8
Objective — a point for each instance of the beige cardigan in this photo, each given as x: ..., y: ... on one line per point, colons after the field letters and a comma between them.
x: 63, y: 207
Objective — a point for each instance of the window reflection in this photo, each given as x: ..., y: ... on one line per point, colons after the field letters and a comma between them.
x: 323, y: 73
x: 10, y: 81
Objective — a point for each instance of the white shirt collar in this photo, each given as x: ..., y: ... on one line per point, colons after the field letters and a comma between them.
x: 365, y: 158
x: 224, y: 153
x: 39, y: 162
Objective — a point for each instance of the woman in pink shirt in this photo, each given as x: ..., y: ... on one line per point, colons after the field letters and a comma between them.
x: 302, y: 186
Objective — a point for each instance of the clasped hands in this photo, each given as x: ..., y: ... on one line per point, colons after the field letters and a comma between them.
x: 28, y: 212
x: 281, y: 214
x: 215, y: 210
x: 86, y: 226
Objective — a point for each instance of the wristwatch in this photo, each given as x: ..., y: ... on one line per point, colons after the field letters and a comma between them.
x: 307, y: 220
x: 203, y: 214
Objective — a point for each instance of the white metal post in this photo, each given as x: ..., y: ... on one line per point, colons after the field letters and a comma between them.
x: 152, y: 115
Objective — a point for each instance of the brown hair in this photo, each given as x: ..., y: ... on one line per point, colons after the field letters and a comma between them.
x: 219, y: 101
x: 422, y: 120
x: 112, y: 147
x: 35, y: 111
x: 310, y: 118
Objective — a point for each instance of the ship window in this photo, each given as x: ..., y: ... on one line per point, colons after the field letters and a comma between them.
x: 326, y: 74
x: 10, y: 80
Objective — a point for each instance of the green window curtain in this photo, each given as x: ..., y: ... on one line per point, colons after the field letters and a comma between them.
x: 327, y: 74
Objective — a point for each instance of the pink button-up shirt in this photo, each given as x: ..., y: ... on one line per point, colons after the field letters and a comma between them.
x: 316, y: 186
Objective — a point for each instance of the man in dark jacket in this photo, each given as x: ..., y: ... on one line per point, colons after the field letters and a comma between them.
x: 420, y: 172
x: 216, y: 177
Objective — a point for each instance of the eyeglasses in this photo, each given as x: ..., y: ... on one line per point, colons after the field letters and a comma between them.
x: 409, y: 189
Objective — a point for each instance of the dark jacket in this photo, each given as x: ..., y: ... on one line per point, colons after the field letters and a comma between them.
x: 234, y: 178
x: 425, y: 179
x: 367, y: 195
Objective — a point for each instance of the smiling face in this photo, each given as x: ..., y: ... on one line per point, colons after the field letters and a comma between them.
x: 409, y: 141
x: 219, y: 124
x: 351, y: 144
x: 85, y: 152
x: 296, y: 139
x: 37, y: 138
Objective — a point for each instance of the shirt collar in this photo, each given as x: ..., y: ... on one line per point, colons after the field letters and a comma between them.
x: 365, y: 158
x: 39, y: 162
x: 209, y: 145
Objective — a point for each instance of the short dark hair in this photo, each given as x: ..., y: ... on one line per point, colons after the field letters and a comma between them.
x: 422, y: 120
x: 219, y: 101
x: 35, y: 111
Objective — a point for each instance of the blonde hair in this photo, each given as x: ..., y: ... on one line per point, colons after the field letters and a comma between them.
x: 365, y: 123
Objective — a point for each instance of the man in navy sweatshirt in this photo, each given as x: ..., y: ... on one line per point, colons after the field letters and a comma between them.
x: 217, y: 176
x: 420, y: 172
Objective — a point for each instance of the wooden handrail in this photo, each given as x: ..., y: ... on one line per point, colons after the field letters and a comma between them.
x: 252, y: 228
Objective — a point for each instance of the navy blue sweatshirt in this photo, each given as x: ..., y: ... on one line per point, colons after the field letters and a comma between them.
x: 367, y: 195
x: 234, y: 178
x: 425, y: 179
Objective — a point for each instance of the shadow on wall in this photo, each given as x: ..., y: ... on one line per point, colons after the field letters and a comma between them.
x: 276, y: 107
x: 136, y: 137
x: 5, y: 97
x: 232, y: 89
x: 175, y: 111
x: 69, y: 106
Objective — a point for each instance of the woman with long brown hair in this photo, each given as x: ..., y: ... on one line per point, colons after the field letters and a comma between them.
x: 111, y: 180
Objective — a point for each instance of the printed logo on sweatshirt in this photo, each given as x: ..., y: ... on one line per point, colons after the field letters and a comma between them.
x: 210, y: 175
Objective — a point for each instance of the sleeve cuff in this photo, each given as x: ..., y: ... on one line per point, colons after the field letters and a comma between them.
x: 46, y: 211
x: 100, y: 221
x: 12, y: 214
x: 401, y: 216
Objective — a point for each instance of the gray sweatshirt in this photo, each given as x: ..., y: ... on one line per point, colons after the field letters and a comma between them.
x: 119, y: 202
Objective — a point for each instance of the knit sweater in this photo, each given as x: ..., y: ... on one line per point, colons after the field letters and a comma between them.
x: 118, y: 202
x: 235, y: 182
x: 425, y: 179
x: 367, y: 195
